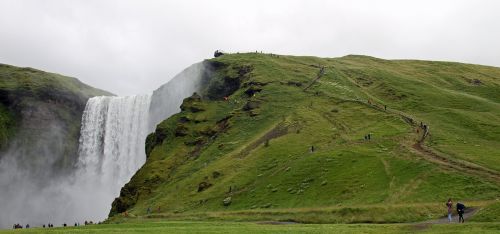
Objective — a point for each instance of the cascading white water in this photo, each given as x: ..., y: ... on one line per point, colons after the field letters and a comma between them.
x: 111, y: 150
x: 112, y: 139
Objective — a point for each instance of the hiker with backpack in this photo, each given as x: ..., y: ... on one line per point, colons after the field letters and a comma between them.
x: 460, y: 211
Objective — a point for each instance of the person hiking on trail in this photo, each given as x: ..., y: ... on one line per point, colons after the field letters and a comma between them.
x: 449, y: 204
x: 460, y: 211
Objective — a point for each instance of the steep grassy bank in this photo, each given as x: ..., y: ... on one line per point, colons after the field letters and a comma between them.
x: 40, y: 116
x: 291, y: 135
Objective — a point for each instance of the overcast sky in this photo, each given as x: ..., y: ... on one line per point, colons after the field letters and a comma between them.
x: 132, y: 47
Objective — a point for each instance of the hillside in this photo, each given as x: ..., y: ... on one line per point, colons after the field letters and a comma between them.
x: 250, y: 157
x: 40, y: 116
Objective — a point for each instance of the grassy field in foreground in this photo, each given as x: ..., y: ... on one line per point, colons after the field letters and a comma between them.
x: 244, y: 227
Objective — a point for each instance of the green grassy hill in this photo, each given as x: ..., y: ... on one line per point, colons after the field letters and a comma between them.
x: 40, y: 115
x: 250, y: 158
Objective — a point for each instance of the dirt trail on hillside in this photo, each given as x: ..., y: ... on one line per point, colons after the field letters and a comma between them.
x: 462, y: 166
x: 469, y: 212
x: 446, y: 161
x: 450, y: 162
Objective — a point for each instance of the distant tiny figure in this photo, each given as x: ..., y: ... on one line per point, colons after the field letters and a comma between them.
x: 27, y: 226
x: 86, y: 223
x: 76, y: 224
x: 149, y: 210
x: 385, y: 107
x: 449, y: 204
x: 43, y: 226
x: 369, y: 136
x: 64, y: 225
x: 312, y: 148
x: 366, y: 137
x: 460, y: 211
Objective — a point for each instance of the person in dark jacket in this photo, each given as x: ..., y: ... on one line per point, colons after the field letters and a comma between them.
x: 460, y: 211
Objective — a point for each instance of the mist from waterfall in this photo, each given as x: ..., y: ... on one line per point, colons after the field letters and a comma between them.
x: 111, y: 150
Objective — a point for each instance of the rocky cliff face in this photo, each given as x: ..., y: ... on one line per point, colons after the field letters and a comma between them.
x: 214, y: 81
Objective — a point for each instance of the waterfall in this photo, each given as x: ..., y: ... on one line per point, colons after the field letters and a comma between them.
x: 111, y: 150
x: 112, y: 138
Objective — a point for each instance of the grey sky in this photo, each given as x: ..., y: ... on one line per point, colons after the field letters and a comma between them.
x: 132, y: 47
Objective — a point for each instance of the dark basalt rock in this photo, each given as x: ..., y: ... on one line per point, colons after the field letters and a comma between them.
x: 203, y: 186
x: 181, y: 130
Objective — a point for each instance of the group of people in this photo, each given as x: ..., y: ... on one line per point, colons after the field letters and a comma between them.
x: 368, y: 137
x: 460, y: 211
x: 19, y: 226
x: 49, y: 225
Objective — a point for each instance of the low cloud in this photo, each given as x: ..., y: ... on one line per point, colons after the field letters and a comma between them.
x: 132, y: 47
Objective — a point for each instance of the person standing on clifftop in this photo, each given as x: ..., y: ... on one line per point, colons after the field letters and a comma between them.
x: 449, y: 204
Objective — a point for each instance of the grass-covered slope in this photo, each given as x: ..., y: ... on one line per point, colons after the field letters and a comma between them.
x: 250, y: 157
x: 40, y: 116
